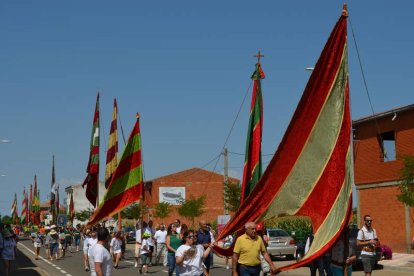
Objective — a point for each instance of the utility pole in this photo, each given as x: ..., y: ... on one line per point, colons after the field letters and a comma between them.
x: 226, y: 179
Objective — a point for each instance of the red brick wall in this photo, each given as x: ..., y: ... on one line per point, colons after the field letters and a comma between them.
x: 197, y: 182
x: 388, y: 215
x: 369, y: 167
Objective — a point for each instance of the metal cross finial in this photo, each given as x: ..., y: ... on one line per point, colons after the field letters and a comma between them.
x: 258, y: 56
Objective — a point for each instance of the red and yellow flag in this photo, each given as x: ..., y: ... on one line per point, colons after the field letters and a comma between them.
x: 36, y: 203
x: 311, y: 172
x: 112, y: 154
x: 92, y: 179
x: 71, y: 208
x: 127, y: 183
x: 252, y: 170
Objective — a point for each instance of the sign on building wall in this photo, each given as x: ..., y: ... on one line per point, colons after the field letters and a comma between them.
x: 172, y: 195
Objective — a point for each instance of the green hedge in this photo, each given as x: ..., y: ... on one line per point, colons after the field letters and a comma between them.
x: 298, y: 227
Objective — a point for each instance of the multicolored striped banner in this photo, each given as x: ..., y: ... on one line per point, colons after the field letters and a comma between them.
x: 71, y: 208
x: 92, y: 179
x: 252, y: 170
x: 13, y: 210
x: 112, y: 154
x: 310, y: 174
x: 30, y: 204
x: 36, y: 203
x: 53, y: 192
x: 127, y: 184
x: 24, y: 218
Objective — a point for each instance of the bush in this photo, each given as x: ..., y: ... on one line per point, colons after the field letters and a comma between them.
x: 298, y: 227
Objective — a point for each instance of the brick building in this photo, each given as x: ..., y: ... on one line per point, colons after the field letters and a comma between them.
x: 192, y: 182
x: 380, y: 143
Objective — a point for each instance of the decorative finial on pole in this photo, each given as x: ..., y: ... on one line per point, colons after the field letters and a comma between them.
x: 345, y: 10
x: 258, y: 56
x: 137, y: 115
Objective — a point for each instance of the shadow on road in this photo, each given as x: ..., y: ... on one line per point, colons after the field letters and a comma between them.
x: 22, y: 266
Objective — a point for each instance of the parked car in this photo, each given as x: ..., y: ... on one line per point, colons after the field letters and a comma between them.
x: 280, y: 243
x: 130, y: 234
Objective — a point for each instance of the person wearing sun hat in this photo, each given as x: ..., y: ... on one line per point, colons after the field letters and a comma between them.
x: 37, y: 240
x: 53, y: 239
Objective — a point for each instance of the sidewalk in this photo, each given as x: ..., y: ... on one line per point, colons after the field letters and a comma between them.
x: 23, y: 265
x: 400, y: 261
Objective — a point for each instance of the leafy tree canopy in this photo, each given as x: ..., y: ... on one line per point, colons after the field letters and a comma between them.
x: 406, y: 181
x: 192, y: 208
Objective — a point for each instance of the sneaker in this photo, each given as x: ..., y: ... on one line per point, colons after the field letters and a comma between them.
x: 136, y: 264
x: 140, y: 271
x: 227, y: 267
x: 86, y: 269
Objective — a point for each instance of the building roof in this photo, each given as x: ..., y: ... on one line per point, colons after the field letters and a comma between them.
x: 196, y: 174
x: 390, y: 112
x: 46, y: 204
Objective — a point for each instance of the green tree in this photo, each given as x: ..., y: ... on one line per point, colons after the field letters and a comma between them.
x: 406, y: 181
x: 84, y: 215
x: 232, y: 192
x: 133, y: 211
x: 6, y: 220
x: 162, y: 210
x: 192, y: 208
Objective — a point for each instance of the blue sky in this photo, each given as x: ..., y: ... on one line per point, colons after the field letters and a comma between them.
x: 185, y: 66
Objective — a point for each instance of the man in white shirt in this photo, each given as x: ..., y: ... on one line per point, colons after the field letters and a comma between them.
x: 138, y: 241
x: 100, y: 255
x: 92, y: 240
x: 160, y: 236
x: 367, y: 239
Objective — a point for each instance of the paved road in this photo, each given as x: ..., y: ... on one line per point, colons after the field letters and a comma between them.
x: 72, y: 265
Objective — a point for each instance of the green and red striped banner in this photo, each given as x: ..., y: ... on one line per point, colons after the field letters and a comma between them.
x: 112, y: 154
x: 311, y: 172
x: 127, y: 184
x: 252, y: 170
x: 92, y: 179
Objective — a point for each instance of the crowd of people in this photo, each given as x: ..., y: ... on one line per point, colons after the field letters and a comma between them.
x: 184, y: 251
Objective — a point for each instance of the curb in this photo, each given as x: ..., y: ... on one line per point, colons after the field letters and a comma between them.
x: 398, y: 268
x: 24, y: 250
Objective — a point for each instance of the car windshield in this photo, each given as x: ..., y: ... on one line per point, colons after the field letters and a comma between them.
x: 277, y: 233
x: 129, y: 229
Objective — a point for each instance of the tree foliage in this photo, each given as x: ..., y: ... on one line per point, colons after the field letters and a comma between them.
x: 232, y: 192
x: 133, y: 211
x: 299, y: 227
x: 162, y: 210
x: 84, y: 215
x: 406, y: 181
x: 192, y: 208
x: 6, y: 220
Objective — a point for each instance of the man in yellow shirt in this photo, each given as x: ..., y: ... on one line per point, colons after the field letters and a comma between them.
x: 246, y: 253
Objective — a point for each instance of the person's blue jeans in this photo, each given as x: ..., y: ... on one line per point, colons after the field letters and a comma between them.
x: 249, y: 270
x: 171, y: 265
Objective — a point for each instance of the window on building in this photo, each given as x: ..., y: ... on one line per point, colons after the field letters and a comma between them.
x: 387, y: 143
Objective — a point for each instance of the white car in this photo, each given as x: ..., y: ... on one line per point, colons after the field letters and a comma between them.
x: 280, y: 243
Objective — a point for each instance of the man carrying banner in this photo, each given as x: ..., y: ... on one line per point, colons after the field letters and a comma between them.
x: 246, y: 253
